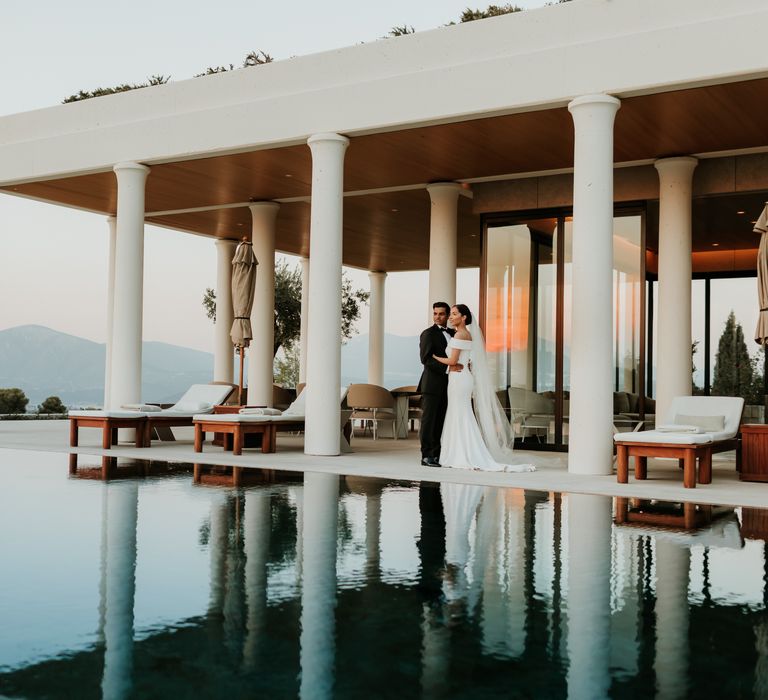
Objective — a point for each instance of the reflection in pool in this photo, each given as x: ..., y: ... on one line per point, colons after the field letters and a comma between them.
x: 346, y: 587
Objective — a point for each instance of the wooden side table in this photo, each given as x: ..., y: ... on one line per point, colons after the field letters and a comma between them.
x: 223, y: 439
x: 754, y: 452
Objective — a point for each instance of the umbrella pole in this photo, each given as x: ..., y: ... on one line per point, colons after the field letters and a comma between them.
x: 240, y: 384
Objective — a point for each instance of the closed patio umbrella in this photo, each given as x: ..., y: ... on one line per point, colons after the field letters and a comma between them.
x: 761, y: 227
x: 244, y: 265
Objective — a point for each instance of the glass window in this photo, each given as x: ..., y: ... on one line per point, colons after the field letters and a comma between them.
x: 520, y: 315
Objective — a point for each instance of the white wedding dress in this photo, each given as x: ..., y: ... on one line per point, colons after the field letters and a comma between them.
x: 462, y: 443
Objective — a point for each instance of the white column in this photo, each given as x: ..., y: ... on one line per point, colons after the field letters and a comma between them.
x: 318, y: 588
x: 589, y: 595
x: 591, y: 402
x: 324, y: 329
x: 125, y: 382
x: 304, y: 320
x: 223, y: 353
x: 442, y: 243
x: 261, y: 350
x: 120, y: 589
x: 673, y: 376
x: 376, y: 328
x: 112, y: 223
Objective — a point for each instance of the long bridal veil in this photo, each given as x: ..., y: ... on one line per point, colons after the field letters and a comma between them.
x: 494, y: 425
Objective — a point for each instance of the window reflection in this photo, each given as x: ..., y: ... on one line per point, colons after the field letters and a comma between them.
x: 528, y: 279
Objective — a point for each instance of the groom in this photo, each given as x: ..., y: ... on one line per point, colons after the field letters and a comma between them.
x: 433, y: 385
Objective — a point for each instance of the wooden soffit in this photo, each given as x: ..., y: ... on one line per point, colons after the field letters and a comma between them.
x: 710, y: 119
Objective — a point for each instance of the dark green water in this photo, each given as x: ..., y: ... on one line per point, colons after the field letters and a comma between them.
x: 321, y: 587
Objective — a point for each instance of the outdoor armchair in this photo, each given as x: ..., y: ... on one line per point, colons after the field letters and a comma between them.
x: 370, y: 402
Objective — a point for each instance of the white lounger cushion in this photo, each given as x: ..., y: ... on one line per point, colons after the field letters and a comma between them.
x: 293, y: 414
x: 198, y: 399
x: 109, y: 414
x: 246, y: 418
x: 665, y: 438
x: 686, y: 407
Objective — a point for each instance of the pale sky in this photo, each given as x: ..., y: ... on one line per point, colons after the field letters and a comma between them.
x: 53, y: 259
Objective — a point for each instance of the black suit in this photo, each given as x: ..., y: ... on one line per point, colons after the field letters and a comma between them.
x: 433, y: 387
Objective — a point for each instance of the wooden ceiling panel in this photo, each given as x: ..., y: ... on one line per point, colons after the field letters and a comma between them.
x: 716, y: 223
x: 386, y: 231
x: 697, y: 120
x: 709, y: 119
x: 258, y: 175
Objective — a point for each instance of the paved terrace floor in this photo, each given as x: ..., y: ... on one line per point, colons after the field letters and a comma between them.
x: 399, y: 459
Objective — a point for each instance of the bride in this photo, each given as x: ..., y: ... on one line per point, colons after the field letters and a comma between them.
x: 481, y: 439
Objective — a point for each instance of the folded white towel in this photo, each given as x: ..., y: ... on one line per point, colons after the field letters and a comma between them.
x: 143, y: 407
x: 674, y: 428
x: 260, y: 412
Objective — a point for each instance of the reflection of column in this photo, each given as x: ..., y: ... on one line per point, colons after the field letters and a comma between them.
x: 373, y: 534
x: 589, y: 595
x: 223, y: 357
x: 304, y: 320
x: 625, y: 620
x: 120, y: 589
x: 442, y: 242
x: 591, y: 399
x: 318, y: 593
x: 673, y: 374
x: 501, y: 528
x: 234, y: 587
x: 217, y: 545
x: 103, y: 566
x: 256, y: 526
x: 671, y: 661
x: 376, y: 328
x: 299, y: 500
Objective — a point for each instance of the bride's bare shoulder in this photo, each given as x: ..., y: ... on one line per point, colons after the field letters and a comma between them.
x: 463, y: 335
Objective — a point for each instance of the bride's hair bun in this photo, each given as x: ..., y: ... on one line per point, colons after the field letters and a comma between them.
x: 463, y: 309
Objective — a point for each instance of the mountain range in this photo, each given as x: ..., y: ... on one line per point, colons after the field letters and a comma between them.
x: 44, y: 362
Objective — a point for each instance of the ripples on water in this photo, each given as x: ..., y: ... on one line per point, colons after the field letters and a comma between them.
x: 333, y: 587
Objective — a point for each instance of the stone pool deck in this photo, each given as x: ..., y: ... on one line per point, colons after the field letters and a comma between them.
x: 398, y: 459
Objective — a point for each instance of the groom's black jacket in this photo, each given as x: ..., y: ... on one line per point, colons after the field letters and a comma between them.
x: 434, y: 378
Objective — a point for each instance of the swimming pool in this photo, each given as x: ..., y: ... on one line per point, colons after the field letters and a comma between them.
x: 322, y: 586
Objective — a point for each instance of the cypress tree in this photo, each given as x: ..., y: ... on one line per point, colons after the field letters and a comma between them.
x: 734, y: 373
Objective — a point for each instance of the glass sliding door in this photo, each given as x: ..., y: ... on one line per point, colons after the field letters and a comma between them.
x: 520, y: 322
x: 628, y: 305
x: 527, y: 317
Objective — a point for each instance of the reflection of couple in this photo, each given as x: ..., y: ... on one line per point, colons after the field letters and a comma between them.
x: 452, y: 434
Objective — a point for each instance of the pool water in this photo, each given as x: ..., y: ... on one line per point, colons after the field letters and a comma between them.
x: 319, y: 586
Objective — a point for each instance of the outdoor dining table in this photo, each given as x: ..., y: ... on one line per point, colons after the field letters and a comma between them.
x: 401, y: 415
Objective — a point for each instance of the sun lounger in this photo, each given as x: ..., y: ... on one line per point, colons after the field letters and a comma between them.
x: 696, y: 427
x: 198, y: 399
x: 264, y: 421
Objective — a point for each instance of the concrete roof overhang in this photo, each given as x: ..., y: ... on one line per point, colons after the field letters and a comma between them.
x: 463, y: 103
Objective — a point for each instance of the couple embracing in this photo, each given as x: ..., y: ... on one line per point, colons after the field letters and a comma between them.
x: 452, y: 433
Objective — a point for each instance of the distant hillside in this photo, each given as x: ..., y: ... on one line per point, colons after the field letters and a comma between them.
x: 44, y: 362
x: 401, y: 360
